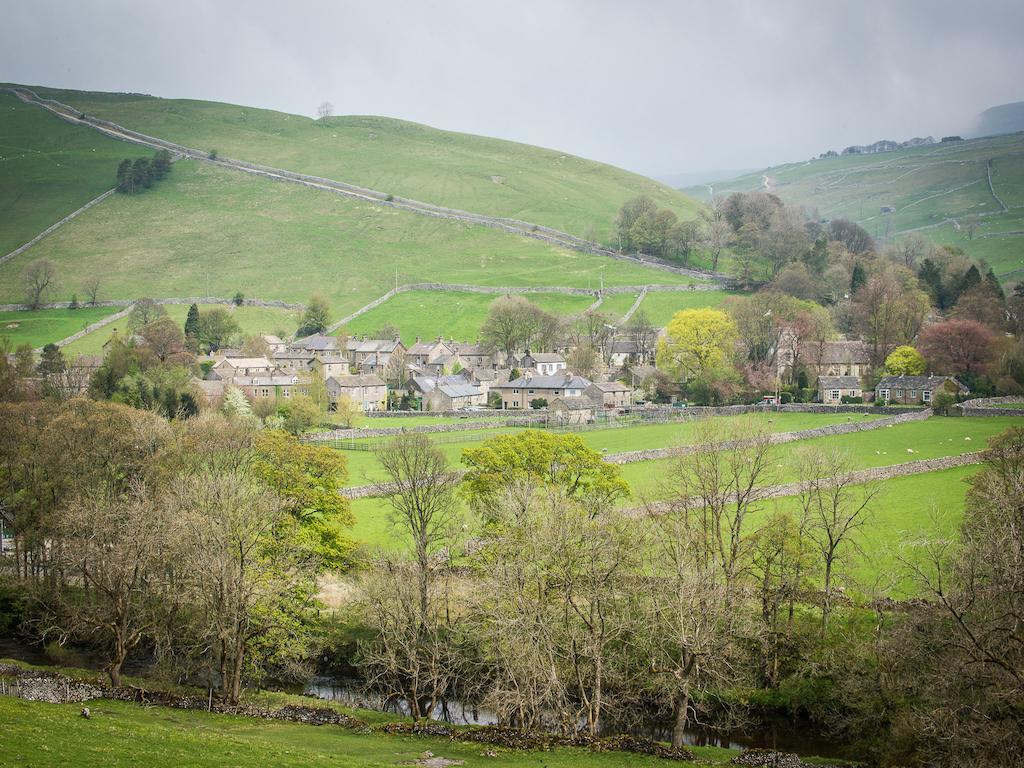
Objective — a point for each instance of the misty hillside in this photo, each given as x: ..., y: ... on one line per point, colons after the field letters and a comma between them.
x: 1000, y: 120
x: 965, y: 193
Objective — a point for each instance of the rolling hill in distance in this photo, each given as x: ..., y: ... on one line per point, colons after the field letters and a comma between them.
x: 964, y: 193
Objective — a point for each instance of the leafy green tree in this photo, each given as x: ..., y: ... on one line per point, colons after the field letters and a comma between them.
x: 857, y: 278
x: 698, y: 344
x: 532, y: 455
x: 300, y: 413
x: 216, y: 327
x: 309, y: 478
x: 905, y: 361
x: 316, y: 317
x: 238, y: 299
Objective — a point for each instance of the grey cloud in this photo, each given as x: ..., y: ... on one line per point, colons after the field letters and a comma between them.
x: 656, y: 86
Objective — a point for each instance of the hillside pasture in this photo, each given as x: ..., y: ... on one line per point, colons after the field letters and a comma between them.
x: 48, y: 169
x: 211, y: 231
x: 456, y: 170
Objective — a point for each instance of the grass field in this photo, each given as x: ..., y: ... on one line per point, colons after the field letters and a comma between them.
x: 210, y: 231
x: 457, y: 170
x: 43, y: 326
x: 925, y: 186
x: 454, y: 315
x: 250, y: 320
x: 48, y: 169
x: 659, y: 306
x: 39, y: 735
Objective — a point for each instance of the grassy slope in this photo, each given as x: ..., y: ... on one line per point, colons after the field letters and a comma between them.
x: 46, y: 325
x: 457, y: 170
x: 429, y: 314
x: 211, y: 231
x: 249, y: 319
x: 38, y: 735
x: 921, y: 184
x: 48, y: 169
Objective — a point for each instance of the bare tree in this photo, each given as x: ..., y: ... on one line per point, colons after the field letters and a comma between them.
x: 92, y: 287
x: 40, y: 280
x: 324, y: 111
x: 116, y: 552
x: 421, y: 495
x: 715, y: 234
x: 836, y: 507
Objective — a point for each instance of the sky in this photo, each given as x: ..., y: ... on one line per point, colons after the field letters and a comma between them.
x: 656, y: 86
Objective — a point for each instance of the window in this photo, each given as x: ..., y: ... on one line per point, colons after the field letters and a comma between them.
x: 926, y: 395
x: 884, y: 394
x: 529, y: 392
x: 515, y: 391
x: 833, y: 394
x: 286, y: 392
x: 899, y: 393
x: 912, y: 393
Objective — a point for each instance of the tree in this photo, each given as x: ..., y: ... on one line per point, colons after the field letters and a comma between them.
x: 643, y: 334
x: 161, y: 164
x: 715, y: 235
x: 347, y: 412
x: 238, y: 299
x: 216, y: 327
x: 92, y: 288
x: 852, y: 235
x: 905, y: 361
x: 125, y: 182
x: 509, y: 324
x: 957, y: 347
x: 316, y: 317
x: 308, y: 479
x: 324, y: 111
x: 857, y: 278
x: 630, y: 212
x: 40, y: 280
x: 584, y: 360
x: 300, y: 414
x: 248, y: 583
x: 144, y: 311
x: 166, y: 340
x: 192, y: 327
x: 563, y: 461
x: 697, y: 344
x: 52, y: 368
x: 889, y: 311
x: 836, y: 506
x: 115, y: 551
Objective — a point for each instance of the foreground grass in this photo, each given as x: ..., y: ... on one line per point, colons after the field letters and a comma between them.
x: 44, y: 326
x: 250, y: 320
x: 211, y: 231
x: 457, y: 170
x: 38, y: 735
x: 49, y: 168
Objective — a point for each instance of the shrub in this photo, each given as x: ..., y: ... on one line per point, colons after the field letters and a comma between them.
x: 785, y: 397
x: 538, y: 402
x: 850, y: 400
x: 74, y: 301
x: 943, y: 402
x: 213, y: 154
x: 238, y: 299
x: 389, y: 198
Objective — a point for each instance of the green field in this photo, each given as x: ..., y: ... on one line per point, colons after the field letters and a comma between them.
x: 925, y: 185
x: 48, y: 169
x: 453, y: 315
x: 39, y: 735
x: 456, y: 170
x: 659, y: 306
x: 211, y: 231
x: 43, y: 326
x: 250, y: 320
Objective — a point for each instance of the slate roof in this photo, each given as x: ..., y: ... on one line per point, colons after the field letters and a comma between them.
x: 357, y: 380
x: 318, y: 342
x: 459, y: 390
x: 917, y: 382
x: 573, y: 403
x: 836, y: 352
x: 554, y: 381
x: 244, y: 362
x: 839, y: 382
x: 547, y: 357
x: 612, y: 386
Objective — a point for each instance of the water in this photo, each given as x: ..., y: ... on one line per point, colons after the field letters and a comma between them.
x: 781, y: 734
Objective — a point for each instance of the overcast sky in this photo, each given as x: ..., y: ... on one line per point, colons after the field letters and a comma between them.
x: 657, y: 87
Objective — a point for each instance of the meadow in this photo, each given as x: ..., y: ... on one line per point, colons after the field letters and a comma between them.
x: 43, y: 326
x: 457, y: 170
x: 208, y: 231
x: 48, y: 168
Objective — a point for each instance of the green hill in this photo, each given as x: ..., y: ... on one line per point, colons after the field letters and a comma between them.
x: 930, y: 189
x: 456, y: 170
x: 209, y: 230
